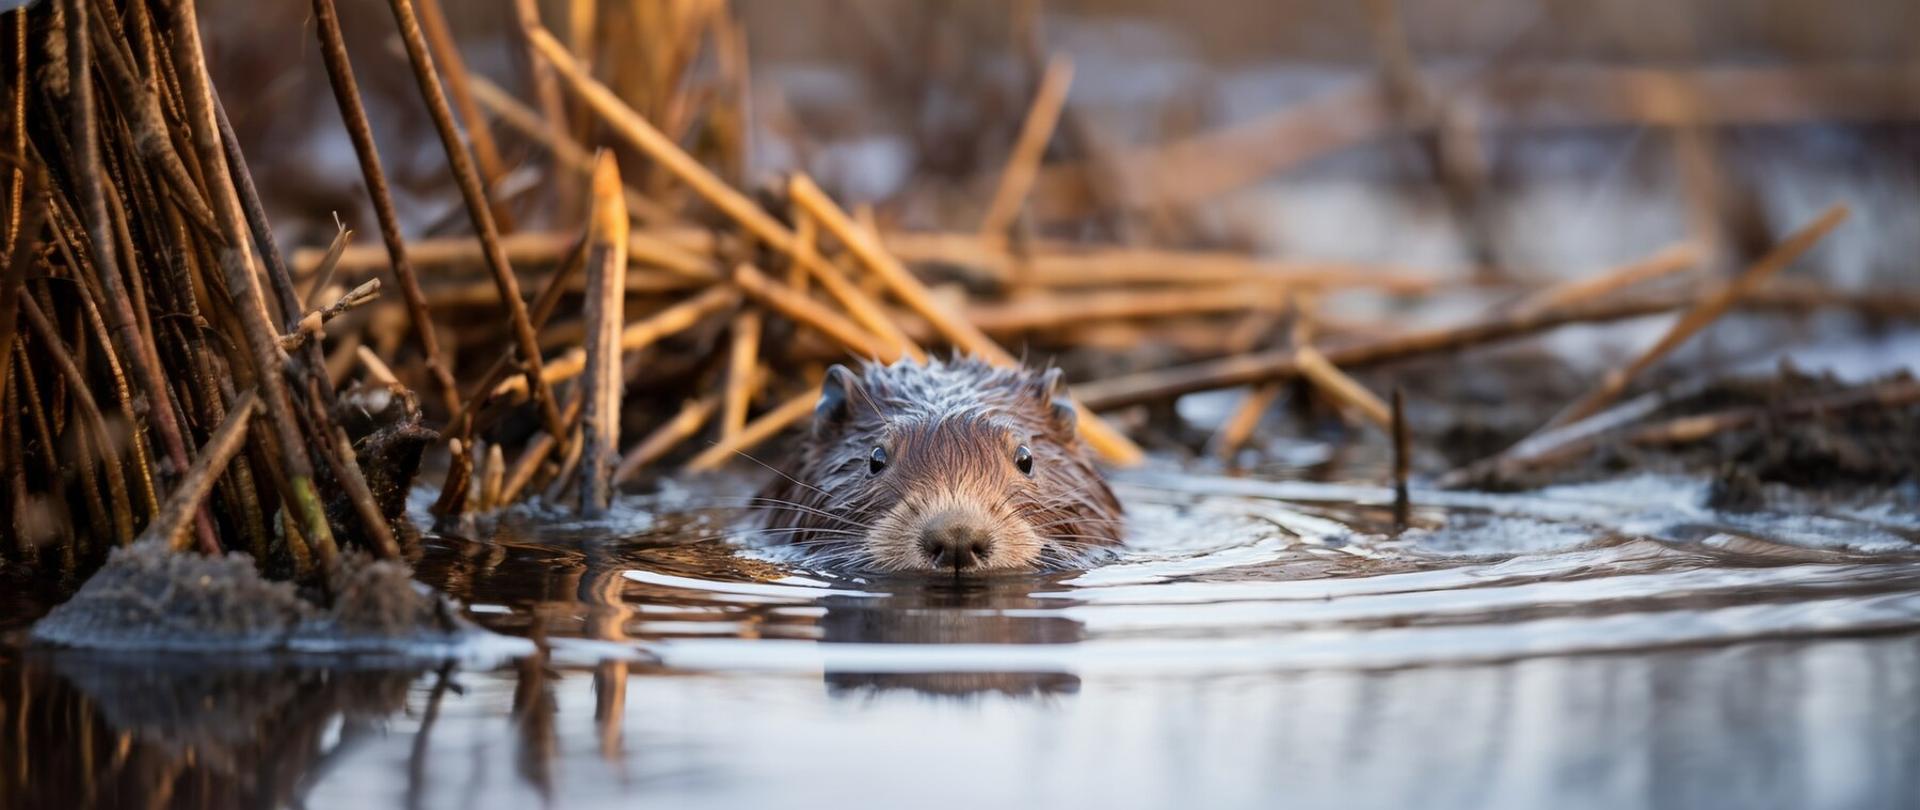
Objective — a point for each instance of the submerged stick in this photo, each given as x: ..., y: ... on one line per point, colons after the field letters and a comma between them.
x: 1023, y: 165
x: 605, y: 312
x: 1704, y: 312
x: 170, y: 524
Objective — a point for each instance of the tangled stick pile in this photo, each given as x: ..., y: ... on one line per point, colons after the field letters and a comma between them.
x: 167, y: 372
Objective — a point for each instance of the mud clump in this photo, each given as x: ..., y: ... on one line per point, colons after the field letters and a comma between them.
x: 150, y: 598
x: 383, y: 423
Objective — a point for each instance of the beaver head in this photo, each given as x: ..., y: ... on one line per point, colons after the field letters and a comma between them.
x: 948, y: 466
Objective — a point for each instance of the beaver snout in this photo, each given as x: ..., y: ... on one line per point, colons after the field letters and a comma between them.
x: 954, y: 539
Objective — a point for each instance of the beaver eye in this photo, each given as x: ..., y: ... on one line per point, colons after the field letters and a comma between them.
x: 1023, y: 458
x: 877, y: 460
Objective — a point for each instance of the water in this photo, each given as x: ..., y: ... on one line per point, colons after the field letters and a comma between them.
x: 1259, y: 644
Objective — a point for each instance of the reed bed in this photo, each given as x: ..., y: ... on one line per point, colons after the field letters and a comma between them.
x: 170, y: 371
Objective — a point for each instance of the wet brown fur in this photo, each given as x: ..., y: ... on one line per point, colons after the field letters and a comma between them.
x: 950, y: 429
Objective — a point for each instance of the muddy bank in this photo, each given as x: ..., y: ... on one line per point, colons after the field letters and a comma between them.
x: 149, y: 599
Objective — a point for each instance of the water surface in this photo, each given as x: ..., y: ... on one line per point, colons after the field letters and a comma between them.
x: 1259, y: 644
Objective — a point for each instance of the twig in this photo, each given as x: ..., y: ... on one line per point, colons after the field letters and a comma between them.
x: 346, y: 94
x: 376, y: 368
x: 1669, y: 260
x: 1024, y: 162
x: 1709, y: 308
x: 77, y: 384
x: 323, y: 274
x: 638, y: 335
x: 759, y: 430
x: 478, y: 209
x: 311, y: 323
x: 742, y: 360
x: 663, y: 439
x: 1330, y: 380
x: 453, y: 68
x: 1226, y: 372
x: 570, y: 154
x: 806, y: 311
x: 170, y: 524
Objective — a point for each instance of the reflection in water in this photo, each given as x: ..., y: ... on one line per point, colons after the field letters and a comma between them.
x: 113, y: 731
x: 949, y: 613
x: 1245, y: 650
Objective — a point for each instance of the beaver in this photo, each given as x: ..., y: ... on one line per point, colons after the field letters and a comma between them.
x: 945, y: 466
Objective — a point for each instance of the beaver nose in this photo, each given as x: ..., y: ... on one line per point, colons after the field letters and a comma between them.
x: 950, y: 542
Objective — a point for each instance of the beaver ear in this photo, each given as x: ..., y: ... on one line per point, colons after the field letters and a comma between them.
x: 1066, y: 417
x: 1051, y: 388
x: 1050, y: 385
x: 832, y: 408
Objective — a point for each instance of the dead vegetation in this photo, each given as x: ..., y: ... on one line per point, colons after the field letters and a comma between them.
x: 170, y: 371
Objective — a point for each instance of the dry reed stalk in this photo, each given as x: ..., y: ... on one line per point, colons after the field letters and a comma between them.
x: 478, y: 209
x: 323, y: 272
x: 532, y: 456
x: 376, y: 368
x: 1704, y: 312
x: 602, y: 387
x: 1234, y: 433
x: 482, y: 293
x: 92, y: 185
x: 1344, y: 389
x: 681, y: 427
x: 1053, y: 264
x: 453, y: 70
x: 1023, y: 164
x: 21, y: 252
x: 570, y: 153
x: 806, y: 311
x: 770, y: 424
x: 149, y: 128
x: 678, y: 252
x: 638, y: 335
x: 311, y: 325
x: 635, y: 129
x: 553, y: 111
x: 243, y: 280
x: 1672, y: 259
x: 806, y: 253
x: 1163, y: 383
x: 1690, y: 429
x: 170, y: 523
x: 742, y: 362
x: 17, y: 168
x: 49, y: 336
x: 1043, y: 311
x: 493, y: 480
x: 346, y: 95
x: 1108, y: 442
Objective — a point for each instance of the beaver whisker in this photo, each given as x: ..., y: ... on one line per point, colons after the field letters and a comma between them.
x: 793, y: 506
